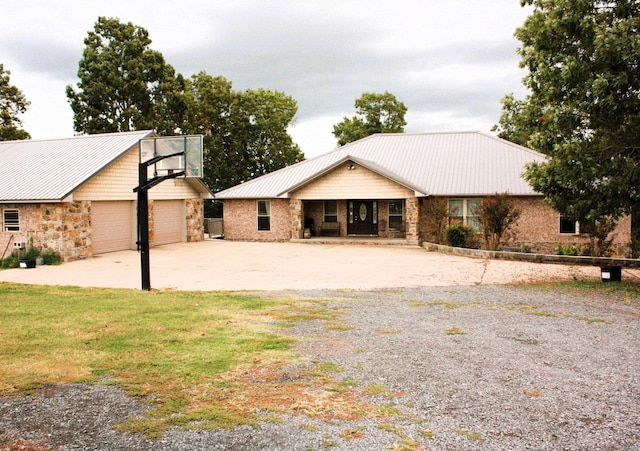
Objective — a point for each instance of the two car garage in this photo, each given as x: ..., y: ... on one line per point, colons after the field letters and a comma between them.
x: 113, y: 224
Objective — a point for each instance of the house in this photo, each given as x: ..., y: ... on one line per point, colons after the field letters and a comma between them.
x: 75, y: 196
x: 386, y: 185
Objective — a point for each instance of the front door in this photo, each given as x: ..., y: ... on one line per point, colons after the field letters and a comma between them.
x: 362, y: 217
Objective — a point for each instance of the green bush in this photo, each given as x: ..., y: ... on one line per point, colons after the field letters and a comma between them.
x: 12, y: 261
x: 459, y: 235
x: 49, y: 256
x: 566, y: 250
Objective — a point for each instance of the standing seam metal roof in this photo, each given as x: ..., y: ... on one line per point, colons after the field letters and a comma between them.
x: 50, y: 170
x: 437, y: 164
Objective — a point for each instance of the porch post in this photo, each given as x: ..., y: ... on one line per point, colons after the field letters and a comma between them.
x: 296, y: 215
x: 413, y: 218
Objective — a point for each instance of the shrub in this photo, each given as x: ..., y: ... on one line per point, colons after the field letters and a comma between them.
x: 566, y: 250
x: 49, y: 256
x: 459, y: 235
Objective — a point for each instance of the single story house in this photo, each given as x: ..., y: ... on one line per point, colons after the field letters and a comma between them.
x: 387, y: 185
x: 75, y: 196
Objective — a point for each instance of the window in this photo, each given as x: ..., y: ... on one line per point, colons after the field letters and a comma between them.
x: 264, y: 215
x: 568, y: 226
x: 396, y: 214
x: 330, y: 211
x: 11, y: 221
x: 461, y: 211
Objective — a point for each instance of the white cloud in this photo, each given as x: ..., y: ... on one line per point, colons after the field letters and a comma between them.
x: 449, y: 62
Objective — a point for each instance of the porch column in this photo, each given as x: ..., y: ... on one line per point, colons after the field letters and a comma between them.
x: 413, y: 217
x: 296, y: 214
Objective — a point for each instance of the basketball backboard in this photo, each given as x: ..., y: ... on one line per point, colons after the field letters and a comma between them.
x: 188, y: 158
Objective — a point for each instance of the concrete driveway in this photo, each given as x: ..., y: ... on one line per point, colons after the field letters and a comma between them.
x: 228, y: 265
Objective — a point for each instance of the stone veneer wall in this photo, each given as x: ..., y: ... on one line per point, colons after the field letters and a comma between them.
x: 241, y: 220
x: 195, y: 220
x: 63, y: 227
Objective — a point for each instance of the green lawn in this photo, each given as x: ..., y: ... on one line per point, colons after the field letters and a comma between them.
x: 178, y: 346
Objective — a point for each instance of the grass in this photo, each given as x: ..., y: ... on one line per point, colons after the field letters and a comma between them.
x: 455, y: 330
x: 201, y: 359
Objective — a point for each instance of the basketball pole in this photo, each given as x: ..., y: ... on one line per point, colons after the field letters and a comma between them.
x: 143, y: 227
x: 144, y: 185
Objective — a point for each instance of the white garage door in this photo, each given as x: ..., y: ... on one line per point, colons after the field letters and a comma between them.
x: 168, y: 217
x: 112, y: 226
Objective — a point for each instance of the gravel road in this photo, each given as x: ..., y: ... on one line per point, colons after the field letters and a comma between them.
x: 475, y: 367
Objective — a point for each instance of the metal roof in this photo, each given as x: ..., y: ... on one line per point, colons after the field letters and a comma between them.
x: 432, y: 164
x: 50, y: 170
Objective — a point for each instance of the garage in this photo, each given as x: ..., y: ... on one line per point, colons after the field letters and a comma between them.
x: 168, y: 220
x: 112, y: 226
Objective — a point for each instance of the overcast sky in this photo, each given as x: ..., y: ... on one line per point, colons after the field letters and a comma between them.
x: 449, y: 61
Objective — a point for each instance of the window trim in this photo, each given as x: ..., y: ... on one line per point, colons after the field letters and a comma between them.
x: 259, y: 216
x: 10, y: 226
x: 395, y: 215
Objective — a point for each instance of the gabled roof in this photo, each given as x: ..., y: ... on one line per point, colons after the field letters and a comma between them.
x: 432, y: 164
x: 50, y: 170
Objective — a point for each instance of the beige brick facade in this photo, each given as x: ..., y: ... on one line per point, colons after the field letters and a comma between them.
x: 537, y: 229
x: 241, y: 220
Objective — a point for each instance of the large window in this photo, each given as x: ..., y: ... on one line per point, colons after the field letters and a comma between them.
x: 462, y: 211
x: 396, y: 208
x: 330, y: 211
x: 264, y: 215
x: 11, y: 221
x: 568, y: 226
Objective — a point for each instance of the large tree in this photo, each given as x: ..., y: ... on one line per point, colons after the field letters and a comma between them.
x: 583, y: 107
x: 375, y: 113
x: 245, y: 132
x: 12, y: 104
x: 124, y: 85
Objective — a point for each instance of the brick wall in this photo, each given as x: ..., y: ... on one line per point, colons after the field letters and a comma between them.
x: 538, y: 228
x: 241, y: 220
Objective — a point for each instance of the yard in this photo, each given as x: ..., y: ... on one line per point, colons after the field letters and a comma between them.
x: 519, y: 367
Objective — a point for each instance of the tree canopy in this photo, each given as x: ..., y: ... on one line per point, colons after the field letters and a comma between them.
x: 375, y: 113
x: 12, y: 104
x: 124, y: 85
x: 245, y: 132
x: 583, y: 107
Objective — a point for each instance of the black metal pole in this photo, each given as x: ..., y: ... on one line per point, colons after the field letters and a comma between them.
x: 143, y: 227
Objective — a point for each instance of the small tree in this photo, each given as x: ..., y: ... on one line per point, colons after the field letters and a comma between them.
x: 436, y: 210
x: 599, y: 232
x: 496, y: 214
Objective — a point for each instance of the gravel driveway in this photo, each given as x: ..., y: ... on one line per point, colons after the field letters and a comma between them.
x: 475, y: 367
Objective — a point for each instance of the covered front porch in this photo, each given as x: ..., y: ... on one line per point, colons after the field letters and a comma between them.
x: 372, y: 219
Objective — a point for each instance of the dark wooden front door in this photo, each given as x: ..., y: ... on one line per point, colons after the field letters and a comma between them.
x: 362, y: 217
